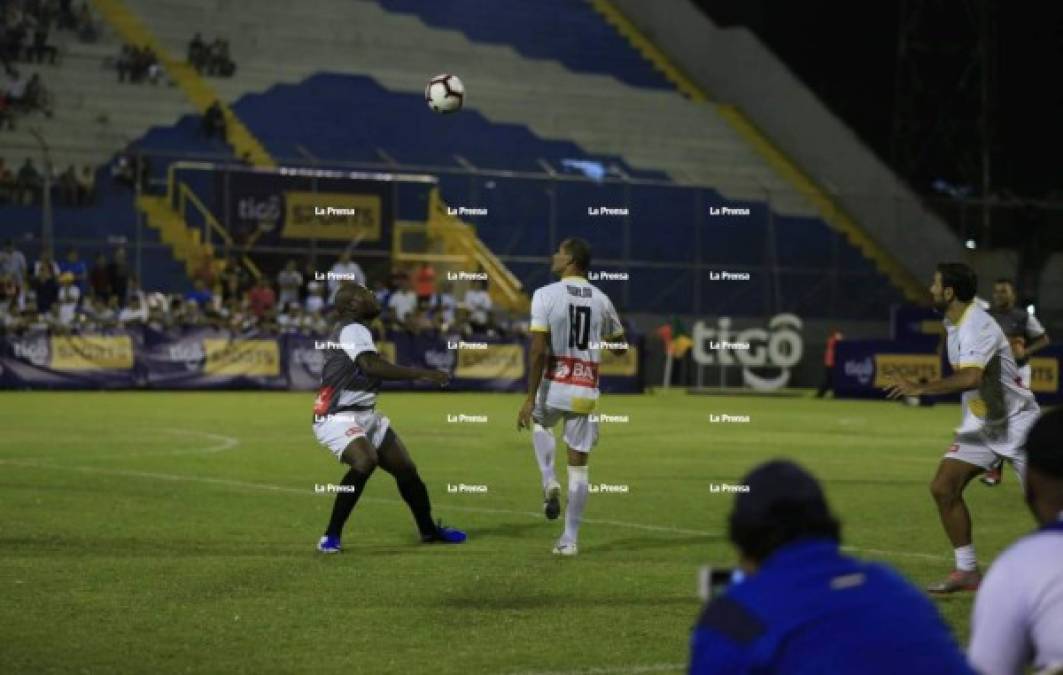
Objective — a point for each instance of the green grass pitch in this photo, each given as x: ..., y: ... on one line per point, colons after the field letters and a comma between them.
x: 175, y: 532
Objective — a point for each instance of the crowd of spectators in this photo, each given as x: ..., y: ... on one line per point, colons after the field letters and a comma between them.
x: 73, y: 295
x: 25, y: 37
x: 211, y: 59
x: 25, y: 186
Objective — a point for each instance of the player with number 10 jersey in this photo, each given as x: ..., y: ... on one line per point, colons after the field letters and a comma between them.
x: 572, y: 321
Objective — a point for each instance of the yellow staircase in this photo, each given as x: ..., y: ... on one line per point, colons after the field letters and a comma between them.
x: 829, y: 209
x: 186, y: 243
x: 452, y: 243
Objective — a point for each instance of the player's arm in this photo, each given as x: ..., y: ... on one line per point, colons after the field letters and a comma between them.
x: 373, y: 365
x: 537, y: 350
x: 1035, y: 345
x: 963, y: 379
x: 538, y: 346
x: 615, y: 329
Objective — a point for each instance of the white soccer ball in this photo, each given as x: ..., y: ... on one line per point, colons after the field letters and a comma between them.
x: 444, y: 93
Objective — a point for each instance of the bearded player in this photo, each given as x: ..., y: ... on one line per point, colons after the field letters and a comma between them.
x: 997, y: 411
x: 570, y: 319
x: 1026, y: 335
x: 347, y: 423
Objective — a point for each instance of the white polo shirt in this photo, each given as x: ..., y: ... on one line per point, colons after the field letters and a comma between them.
x: 1018, y: 613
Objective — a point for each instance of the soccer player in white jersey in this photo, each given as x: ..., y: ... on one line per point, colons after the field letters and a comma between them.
x: 997, y: 411
x: 571, y: 322
x: 1018, y: 614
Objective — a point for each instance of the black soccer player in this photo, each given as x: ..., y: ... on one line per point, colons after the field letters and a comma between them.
x: 347, y: 423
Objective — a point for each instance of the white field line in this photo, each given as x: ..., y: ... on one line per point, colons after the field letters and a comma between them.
x: 154, y: 475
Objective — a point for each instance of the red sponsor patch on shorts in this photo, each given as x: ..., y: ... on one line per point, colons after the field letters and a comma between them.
x: 955, y: 447
x: 355, y: 431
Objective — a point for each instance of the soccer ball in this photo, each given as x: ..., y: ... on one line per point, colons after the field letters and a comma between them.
x: 444, y: 93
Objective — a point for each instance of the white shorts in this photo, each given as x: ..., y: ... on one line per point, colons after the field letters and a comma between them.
x: 983, y: 449
x: 581, y: 431
x: 336, y: 432
x: 1025, y: 372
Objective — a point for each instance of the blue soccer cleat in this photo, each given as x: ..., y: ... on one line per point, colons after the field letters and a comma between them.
x: 329, y: 544
x: 444, y: 534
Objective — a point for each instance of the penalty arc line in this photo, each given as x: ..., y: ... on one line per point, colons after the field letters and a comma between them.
x: 470, y: 509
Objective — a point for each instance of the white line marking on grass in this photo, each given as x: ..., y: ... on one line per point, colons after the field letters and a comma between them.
x: 471, y: 509
x: 221, y: 444
x: 652, y: 668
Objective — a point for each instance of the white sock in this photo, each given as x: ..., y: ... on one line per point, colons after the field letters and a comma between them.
x: 965, y: 559
x: 543, y: 441
x: 577, y: 499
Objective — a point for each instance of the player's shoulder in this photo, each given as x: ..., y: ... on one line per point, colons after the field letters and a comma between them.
x: 354, y: 331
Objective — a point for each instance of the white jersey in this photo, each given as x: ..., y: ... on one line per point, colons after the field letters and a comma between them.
x: 1018, y: 613
x: 977, y: 341
x: 579, y: 318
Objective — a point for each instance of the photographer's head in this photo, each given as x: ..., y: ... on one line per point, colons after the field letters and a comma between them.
x: 784, y: 504
x: 1044, y: 467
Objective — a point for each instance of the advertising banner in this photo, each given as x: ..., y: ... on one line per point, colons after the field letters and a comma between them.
x: 863, y: 367
x: 204, y: 358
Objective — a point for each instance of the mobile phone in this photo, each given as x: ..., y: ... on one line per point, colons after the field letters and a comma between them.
x: 714, y: 581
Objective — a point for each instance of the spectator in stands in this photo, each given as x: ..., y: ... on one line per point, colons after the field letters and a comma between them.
x: 13, y: 264
x: 68, y: 297
x: 444, y: 304
x: 118, y: 274
x: 199, y: 295
x: 315, y: 297
x: 68, y: 187
x: 344, y: 269
x: 290, y: 283
x: 478, y: 302
x: 45, y: 287
x: 7, y: 113
x: 214, y: 121
x: 402, y: 302
x: 796, y: 603
x: 7, y: 183
x: 136, y: 312
x: 197, y: 53
x: 66, y: 18
x: 87, y: 186
x: 424, y: 281
x: 100, y: 278
x: 41, y: 48
x: 1018, y: 612
x: 124, y: 63
x: 46, y: 260
x: 382, y: 292
x: 28, y: 183
x: 37, y: 97
x: 86, y: 25
x: 261, y: 298
x: 76, y: 266
x: 218, y: 60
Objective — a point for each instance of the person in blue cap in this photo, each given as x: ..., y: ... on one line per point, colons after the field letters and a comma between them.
x: 802, y: 606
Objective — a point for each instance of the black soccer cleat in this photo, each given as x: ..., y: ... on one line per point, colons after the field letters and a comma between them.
x: 552, y: 503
